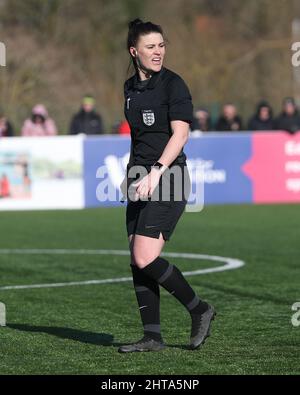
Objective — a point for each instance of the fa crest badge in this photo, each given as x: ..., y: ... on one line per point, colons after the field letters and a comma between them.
x: 148, y: 117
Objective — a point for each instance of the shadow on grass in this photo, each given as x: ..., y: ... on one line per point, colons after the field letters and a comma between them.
x: 103, y: 339
x: 99, y: 339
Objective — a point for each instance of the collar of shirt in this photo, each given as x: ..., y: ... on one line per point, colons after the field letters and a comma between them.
x: 134, y: 82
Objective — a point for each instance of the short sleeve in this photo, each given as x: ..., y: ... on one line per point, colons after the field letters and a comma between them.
x: 180, y: 101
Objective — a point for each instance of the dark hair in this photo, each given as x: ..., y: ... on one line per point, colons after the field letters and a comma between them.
x: 35, y: 117
x: 139, y: 28
x: 264, y: 104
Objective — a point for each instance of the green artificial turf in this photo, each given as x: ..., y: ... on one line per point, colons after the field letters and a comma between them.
x: 77, y: 329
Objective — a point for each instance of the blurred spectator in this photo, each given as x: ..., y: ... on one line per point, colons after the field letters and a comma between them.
x: 289, y: 119
x: 4, y: 186
x: 229, y: 120
x: 87, y: 120
x: 201, y: 121
x: 6, y: 129
x: 263, y: 118
x: 124, y: 128
x: 40, y: 124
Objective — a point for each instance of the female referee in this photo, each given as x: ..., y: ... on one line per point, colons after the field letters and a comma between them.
x: 158, y: 108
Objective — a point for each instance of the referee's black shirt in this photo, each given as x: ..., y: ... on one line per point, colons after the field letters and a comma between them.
x: 149, y: 108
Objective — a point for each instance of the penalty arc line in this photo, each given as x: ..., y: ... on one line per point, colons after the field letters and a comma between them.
x: 230, y: 264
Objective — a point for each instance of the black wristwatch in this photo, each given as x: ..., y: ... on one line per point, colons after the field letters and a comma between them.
x: 162, y: 168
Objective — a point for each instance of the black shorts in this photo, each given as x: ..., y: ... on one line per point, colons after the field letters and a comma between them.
x: 152, y: 217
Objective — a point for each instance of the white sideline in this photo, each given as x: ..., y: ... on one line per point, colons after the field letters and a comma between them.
x: 230, y: 264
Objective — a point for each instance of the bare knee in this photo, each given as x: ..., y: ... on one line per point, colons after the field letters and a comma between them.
x: 142, y: 258
x: 141, y: 261
x: 146, y: 249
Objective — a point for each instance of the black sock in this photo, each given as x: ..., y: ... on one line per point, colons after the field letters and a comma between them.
x: 171, y: 278
x: 148, y: 297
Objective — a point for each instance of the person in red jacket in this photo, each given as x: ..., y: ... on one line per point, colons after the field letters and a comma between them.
x: 124, y: 128
x: 4, y: 186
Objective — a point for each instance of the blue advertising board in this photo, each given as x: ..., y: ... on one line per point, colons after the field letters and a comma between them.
x: 220, y: 158
x: 105, y: 160
x: 216, y: 159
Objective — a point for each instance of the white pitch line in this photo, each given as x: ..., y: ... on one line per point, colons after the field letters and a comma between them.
x: 230, y: 264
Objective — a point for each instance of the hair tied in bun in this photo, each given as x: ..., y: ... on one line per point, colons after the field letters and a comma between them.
x: 134, y: 23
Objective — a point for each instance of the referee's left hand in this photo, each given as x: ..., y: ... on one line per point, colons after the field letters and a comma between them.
x: 147, y: 184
